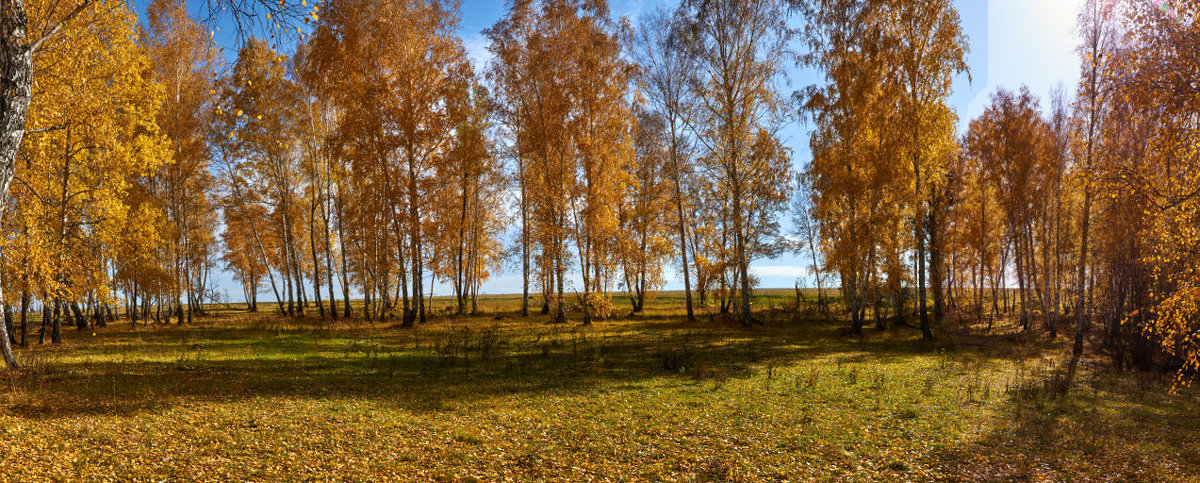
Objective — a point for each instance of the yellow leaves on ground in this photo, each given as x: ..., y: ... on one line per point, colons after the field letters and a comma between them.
x: 785, y: 402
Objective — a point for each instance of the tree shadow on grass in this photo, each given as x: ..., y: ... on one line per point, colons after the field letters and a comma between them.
x: 429, y: 368
x: 421, y: 370
x: 1102, y: 423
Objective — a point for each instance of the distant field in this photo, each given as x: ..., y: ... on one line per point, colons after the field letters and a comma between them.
x: 239, y: 396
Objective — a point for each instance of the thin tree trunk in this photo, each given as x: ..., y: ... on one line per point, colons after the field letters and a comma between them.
x: 1021, y: 284
x: 45, y: 318
x: 460, y: 248
x: 926, y: 332
x: 560, y: 313
x: 344, y: 274
x: 1081, y: 276
x: 312, y: 245
x: 415, y: 227
x: 24, y: 317
x: 683, y: 255
x: 333, y: 309
x: 56, y: 323
x: 740, y: 250
x: 262, y: 252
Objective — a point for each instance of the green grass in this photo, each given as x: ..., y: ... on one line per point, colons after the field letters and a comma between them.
x: 241, y: 396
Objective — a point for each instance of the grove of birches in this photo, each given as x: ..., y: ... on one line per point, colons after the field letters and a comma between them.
x: 353, y: 150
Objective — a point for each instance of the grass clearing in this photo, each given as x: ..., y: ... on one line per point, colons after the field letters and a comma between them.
x: 244, y: 396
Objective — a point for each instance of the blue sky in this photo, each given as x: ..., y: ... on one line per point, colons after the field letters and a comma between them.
x: 1013, y: 43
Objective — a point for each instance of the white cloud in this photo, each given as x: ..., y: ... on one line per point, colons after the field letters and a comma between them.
x: 476, y: 46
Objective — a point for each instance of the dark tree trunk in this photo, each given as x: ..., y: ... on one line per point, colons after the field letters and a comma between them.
x: 1081, y: 309
x: 80, y: 320
x: 25, y: 318
x: 525, y: 245
x: 345, y: 275
x: 416, y: 249
x: 560, y: 270
x: 45, y: 320
x: 56, y: 324
x: 936, y: 266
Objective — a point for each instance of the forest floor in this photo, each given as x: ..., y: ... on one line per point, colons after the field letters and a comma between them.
x: 239, y: 396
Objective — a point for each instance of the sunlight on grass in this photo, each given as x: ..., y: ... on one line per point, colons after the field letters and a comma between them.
x: 487, y: 397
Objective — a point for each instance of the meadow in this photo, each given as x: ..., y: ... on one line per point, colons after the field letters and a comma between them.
x: 242, y: 396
